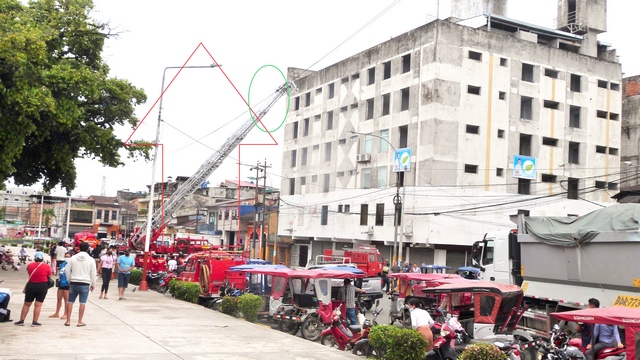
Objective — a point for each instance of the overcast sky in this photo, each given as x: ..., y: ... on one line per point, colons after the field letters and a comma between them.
x: 243, y: 36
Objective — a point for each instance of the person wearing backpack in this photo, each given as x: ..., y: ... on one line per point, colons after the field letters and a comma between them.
x: 63, y: 289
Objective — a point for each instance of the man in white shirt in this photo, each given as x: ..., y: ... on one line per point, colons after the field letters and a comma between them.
x: 61, y: 250
x: 172, y: 264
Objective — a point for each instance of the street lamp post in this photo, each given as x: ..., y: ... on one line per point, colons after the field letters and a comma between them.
x: 397, y: 200
x: 143, y: 283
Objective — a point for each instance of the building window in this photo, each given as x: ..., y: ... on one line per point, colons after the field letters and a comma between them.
x: 292, y: 186
x: 370, y: 104
x: 297, y: 103
x: 305, y: 127
x: 475, y: 90
x: 474, y: 55
x: 405, y: 99
x: 386, y: 102
x: 614, y: 86
x: 603, y: 84
x: 524, y: 186
x: 317, y: 117
x: 327, y: 151
x: 527, y: 72
x: 307, y: 99
x: 574, y: 152
x: 344, y: 80
x: 344, y: 109
x: 340, y: 208
x: 601, y: 184
x: 471, y: 169
x: 303, y: 180
x: 403, y: 132
x: 294, y: 154
x: 613, y: 151
x: 355, y: 76
x: 525, y: 145
x: 614, y: 116
x: 371, y: 76
x: 526, y: 108
x: 502, y: 95
x: 551, y: 104
x: 326, y: 178
x: 364, y: 214
x: 612, y: 186
x: 366, y: 178
x: 384, y: 140
x: 379, y: 214
x: 473, y: 129
x: 347, y: 208
x: 499, y: 172
x: 324, y: 215
x: 386, y: 70
x: 406, y: 63
x: 574, y: 117
x: 98, y: 214
x: 295, y: 130
x: 368, y: 144
x: 500, y: 134
x: 503, y: 61
x: 342, y: 141
x: 106, y: 216
x: 551, y: 73
x: 601, y: 149
x: 314, y: 179
x: 332, y: 91
x: 549, y: 141
x: 382, y: 177
x: 340, y: 174
x: 329, y: 120
x: 601, y: 114
x: 319, y: 91
x: 549, y: 178
x: 316, y: 147
x: 354, y: 105
x: 572, y: 188
x: 576, y: 83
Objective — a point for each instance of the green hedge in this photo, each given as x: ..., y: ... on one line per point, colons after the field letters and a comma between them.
x: 184, y: 290
x: 393, y: 343
x: 229, y: 305
x: 249, y: 305
x: 483, y: 351
x: 136, y: 277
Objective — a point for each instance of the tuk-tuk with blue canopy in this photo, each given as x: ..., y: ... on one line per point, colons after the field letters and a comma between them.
x: 469, y: 272
x: 435, y: 269
x: 258, y: 284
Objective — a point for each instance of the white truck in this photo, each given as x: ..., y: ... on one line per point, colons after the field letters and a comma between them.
x: 560, y: 263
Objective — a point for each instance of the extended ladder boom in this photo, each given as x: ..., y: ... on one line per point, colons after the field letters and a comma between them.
x: 162, y: 216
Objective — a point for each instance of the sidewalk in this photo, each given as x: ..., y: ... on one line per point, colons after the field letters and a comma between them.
x: 145, y: 326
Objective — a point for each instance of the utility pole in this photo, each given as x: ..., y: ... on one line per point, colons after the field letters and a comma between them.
x: 263, y: 240
x: 256, y: 203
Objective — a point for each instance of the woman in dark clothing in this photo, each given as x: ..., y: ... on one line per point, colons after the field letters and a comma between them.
x: 36, y: 288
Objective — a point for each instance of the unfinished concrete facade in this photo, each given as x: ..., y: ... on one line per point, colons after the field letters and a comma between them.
x: 630, y: 148
x: 465, y: 100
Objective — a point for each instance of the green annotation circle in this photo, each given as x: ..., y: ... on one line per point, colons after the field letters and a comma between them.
x: 255, y: 121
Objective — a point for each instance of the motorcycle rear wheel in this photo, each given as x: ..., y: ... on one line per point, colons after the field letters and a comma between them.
x: 329, y: 340
x: 311, y: 328
x: 288, y: 327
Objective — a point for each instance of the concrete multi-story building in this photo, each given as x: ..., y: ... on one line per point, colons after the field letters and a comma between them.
x: 630, y: 148
x: 473, y: 100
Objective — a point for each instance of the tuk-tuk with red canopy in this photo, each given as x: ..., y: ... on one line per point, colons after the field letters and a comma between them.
x: 497, y: 308
x: 614, y: 315
x: 304, y: 292
x: 410, y: 286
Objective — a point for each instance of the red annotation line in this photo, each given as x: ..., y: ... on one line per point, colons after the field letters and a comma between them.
x: 128, y: 143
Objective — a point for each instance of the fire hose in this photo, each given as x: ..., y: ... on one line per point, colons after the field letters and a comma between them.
x: 204, y: 279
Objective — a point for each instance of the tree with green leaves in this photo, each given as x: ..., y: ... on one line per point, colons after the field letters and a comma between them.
x: 47, y: 214
x: 57, y: 101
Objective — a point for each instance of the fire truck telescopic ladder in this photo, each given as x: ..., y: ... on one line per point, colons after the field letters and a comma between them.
x: 189, y: 187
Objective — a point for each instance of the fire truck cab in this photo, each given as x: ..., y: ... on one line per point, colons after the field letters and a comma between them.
x: 366, y: 258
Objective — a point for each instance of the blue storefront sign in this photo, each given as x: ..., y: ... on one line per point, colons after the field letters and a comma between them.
x: 524, y: 167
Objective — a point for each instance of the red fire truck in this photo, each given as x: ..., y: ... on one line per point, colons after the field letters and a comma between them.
x: 367, y: 259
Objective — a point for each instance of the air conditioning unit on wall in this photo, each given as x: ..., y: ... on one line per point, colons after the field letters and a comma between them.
x: 363, y: 158
x: 370, y: 230
x: 408, y: 230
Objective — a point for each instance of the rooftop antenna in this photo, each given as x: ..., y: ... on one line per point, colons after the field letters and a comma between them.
x: 103, y: 191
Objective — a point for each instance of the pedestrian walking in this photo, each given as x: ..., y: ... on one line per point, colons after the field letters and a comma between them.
x: 385, y: 279
x: 63, y: 289
x: 106, y: 269
x: 36, y: 289
x: 125, y: 263
x: 61, y: 252
x: 81, y: 273
x: 52, y: 256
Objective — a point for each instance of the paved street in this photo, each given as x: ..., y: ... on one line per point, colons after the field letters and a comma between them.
x: 146, y: 325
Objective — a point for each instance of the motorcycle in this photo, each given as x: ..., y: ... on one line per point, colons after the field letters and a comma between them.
x: 22, y: 259
x: 153, y: 279
x: 570, y: 349
x: 399, y: 311
x: 163, y: 285
x: 362, y: 346
x: 343, y: 336
x: 7, y: 259
x: 448, y: 334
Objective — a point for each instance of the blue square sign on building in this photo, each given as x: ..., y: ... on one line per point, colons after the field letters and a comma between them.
x: 402, y: 160
x: 524, y: 167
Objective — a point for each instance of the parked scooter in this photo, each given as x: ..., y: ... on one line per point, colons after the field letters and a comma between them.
x: 163, y: 285
x: 444, y: 344
x: 567, y: 349
x: 362, y: 346
x: 343, y: 336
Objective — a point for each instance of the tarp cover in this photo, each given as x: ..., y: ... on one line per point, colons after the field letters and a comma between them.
x: 571, y: 231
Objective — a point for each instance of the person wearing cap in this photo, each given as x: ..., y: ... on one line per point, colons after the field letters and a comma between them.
x: 348, y: 295
x: 81, y: 273
x: 125, y: 264
x: 36, y: 288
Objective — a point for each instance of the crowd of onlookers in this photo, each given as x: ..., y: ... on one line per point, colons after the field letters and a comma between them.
x: 396, y: 268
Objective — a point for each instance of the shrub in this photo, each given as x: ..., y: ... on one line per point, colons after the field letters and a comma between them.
x: 483, y: 351
x: 393, y: 343
x: 190, y: 292
x: 173, y: 286
x: 249, y: 305
x: 136, y: 277
x: 229, y: 305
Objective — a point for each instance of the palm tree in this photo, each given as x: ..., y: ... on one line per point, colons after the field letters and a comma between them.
x: 47, y: 214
